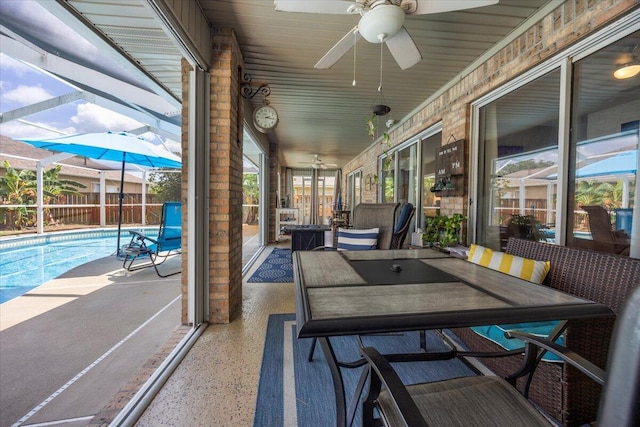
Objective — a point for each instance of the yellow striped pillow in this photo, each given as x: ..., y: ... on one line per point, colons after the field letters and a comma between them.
x: 524, y: 268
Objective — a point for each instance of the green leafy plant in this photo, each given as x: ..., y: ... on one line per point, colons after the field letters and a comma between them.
x: 372, y: 126
x: 452, y: 230
x: 251, y: 195
x: 432, y: 229
x: 18, y: 187
x: 524, y: 227
x: 444, y: 230
x: 167, y: 186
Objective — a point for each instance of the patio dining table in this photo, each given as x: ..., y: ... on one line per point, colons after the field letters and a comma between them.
x: 363, y: 292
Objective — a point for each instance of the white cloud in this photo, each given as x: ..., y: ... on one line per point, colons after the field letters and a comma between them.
x: 173, y: 146
x: 18, y: 67
x: 26, y: 95
x: 93, y: 118
x: 16, y: 130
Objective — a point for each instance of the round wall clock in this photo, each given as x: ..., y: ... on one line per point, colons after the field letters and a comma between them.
x: 265, y: 118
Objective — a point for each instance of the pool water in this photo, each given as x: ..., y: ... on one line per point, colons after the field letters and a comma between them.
x: 31, y: 263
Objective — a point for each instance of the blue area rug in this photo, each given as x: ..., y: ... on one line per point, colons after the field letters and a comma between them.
x: 277, y: 268
x: 293, y: 391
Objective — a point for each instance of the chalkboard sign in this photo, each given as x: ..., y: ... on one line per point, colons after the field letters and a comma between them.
x: 450, y: 169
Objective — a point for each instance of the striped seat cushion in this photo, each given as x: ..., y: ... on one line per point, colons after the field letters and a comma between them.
x: 353, y: 239
x: 524, y: 268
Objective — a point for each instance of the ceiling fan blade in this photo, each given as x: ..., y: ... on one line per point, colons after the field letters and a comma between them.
x: 438, y: 6
x: 339, y: 49
x: 340, y: 7
x: 404, y: 49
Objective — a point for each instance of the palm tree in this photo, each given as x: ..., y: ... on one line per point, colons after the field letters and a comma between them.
x: 19, y: 188
x: 55, y: 189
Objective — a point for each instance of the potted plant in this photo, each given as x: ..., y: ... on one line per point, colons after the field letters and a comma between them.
x: 452, y: 230
x: 431, y: 232
x: 444, y: 230
x: 524, y: 227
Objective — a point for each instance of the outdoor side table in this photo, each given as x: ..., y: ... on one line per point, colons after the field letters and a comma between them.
x: 306, y: 237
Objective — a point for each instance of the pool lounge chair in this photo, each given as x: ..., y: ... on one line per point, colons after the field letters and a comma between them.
x: 604, y: 236
x: 158, y: 249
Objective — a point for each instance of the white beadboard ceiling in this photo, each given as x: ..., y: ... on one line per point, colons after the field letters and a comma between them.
x: 320, y: 111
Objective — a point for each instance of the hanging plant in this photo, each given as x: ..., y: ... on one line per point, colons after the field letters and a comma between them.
x: 388, y: 161
x: 372, y: 131
x: 372, y: 126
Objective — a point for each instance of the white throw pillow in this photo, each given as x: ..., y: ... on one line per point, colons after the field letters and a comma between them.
x: 354, y: 239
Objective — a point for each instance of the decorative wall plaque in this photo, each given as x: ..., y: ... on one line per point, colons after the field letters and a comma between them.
x: 450, y: 169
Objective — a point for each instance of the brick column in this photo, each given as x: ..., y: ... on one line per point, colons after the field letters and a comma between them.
x: 225, y: 204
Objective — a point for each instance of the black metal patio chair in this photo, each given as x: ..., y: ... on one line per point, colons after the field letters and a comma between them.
x: 491, y: 400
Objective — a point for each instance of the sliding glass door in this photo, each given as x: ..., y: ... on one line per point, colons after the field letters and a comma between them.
x: 354, y: 190
x: 604, y: 151
x: 557, y: 155
x: 519, y: 159
x: 430, y: 202
x: 326, y: 185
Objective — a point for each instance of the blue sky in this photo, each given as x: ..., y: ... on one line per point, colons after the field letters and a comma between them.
x: 22, y: 85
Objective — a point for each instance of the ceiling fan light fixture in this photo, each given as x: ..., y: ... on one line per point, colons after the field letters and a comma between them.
x: 627, y: 70
x: 385, y: 20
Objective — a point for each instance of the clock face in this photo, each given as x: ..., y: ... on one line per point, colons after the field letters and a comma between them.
x: 265, y: 117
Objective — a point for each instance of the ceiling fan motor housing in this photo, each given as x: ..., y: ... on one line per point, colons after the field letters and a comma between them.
x: 381, y: 23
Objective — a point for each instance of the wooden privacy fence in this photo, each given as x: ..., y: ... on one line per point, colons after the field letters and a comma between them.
x: 535, y: 207
x: 84, y: 209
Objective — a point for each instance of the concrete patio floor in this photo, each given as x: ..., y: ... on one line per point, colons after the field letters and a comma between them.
x: 77, y: 348
x: 216, y: 384
x: 69, y: 345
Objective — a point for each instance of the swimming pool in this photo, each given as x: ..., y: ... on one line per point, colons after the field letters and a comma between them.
x: 28, y: 262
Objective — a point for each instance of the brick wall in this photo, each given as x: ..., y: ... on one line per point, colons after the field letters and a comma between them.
x: 225, y: 181
x: 570, y: 22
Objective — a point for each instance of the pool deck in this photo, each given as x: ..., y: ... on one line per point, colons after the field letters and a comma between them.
x: 69, y: 345
x: 77, y: 348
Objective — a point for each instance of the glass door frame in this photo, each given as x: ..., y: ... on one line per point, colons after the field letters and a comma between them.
x: 417, y: 141
x: 351, y: 189
x: 564, y: 61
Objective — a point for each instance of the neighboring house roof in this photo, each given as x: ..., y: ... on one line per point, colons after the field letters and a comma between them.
x: 21, y: 156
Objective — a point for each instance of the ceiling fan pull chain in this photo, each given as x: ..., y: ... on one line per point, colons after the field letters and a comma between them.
x: 381, y: 51
x: 355, y: 41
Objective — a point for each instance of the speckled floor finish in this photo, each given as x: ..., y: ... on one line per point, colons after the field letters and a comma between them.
x: 217, y: 382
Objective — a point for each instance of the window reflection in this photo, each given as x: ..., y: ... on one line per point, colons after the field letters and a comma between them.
x: 519, y: 159
x: 430, y: 201
x: 518, y: 167
x: 388, y: 181
x: 604, y: 152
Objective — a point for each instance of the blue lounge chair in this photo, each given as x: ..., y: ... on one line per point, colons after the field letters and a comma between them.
x: 158, y: 249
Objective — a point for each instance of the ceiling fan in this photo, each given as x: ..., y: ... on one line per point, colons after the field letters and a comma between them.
x: 316, y: 163
x: 381, y: 21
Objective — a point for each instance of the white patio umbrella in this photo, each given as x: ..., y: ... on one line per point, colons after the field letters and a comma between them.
x: 115, y: 146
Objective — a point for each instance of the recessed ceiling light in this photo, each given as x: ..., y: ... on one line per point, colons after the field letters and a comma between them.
x: 627, y: 70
